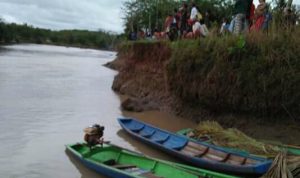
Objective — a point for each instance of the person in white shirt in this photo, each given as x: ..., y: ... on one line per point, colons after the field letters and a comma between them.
x: 204, y: 31
x: 197, y: 29
x: 200, y: 29
x: 194, y: 12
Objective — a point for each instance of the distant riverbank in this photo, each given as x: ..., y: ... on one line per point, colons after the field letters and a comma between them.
x: 19, y: 34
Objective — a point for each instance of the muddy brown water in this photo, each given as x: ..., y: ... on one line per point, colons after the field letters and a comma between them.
x: 48, y: 94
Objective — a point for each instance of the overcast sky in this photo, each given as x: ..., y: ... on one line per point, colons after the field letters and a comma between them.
x: 67, y: 14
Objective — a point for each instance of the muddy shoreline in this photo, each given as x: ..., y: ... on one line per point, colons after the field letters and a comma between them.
x: 144, y: 82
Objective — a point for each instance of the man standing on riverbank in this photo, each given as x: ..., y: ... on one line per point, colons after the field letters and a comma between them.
x: 241, y: 11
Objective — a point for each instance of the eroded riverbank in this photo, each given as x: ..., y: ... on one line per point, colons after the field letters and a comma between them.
x: 144, y: 75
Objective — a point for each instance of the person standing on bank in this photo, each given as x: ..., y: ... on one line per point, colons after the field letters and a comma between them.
x: 241, y: 11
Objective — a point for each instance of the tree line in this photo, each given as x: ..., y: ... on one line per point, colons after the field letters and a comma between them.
x: 149, y: 15
x: 16, y: 33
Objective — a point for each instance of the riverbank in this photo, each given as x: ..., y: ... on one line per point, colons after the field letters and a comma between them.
x: 248, y: 83
x: 18, y: 34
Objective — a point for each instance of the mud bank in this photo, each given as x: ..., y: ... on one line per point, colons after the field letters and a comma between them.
x: 181, y: 78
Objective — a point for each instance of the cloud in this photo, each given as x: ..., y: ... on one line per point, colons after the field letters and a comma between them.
x: 66, y: 14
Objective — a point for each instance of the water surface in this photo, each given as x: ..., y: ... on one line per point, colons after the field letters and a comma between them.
x: 48, y: 94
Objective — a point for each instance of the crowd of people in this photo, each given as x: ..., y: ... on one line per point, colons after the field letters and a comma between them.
x: 187, y: 22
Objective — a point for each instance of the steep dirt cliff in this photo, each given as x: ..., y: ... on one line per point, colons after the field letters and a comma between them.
x: 142, y: 76
x: 243, y: 84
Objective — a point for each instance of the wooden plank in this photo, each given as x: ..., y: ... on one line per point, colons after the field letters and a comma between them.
x: 236, y: 160
x: 189, y: 149
x: 197, y: 146
x: 250, y: 161
x: 212, y: 157
x: 149, y: 175
x: 185, y: 152
x: 123, y: 166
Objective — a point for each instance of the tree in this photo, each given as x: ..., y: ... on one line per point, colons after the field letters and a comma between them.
x: 145, y: 14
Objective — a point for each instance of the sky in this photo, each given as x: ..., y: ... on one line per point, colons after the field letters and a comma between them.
x: 67, y: 14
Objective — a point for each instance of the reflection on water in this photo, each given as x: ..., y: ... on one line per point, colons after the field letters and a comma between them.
x: 48, y: 95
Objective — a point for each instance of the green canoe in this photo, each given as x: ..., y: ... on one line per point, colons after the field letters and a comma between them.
x: 295, y: 150
x: 114, y: 161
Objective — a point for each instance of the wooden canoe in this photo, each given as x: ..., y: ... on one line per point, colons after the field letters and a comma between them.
x: 114, y: 161
x: 200, y: 154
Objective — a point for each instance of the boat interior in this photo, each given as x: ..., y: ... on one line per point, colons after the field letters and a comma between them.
x: 185, y: 146
x: 126, y: 161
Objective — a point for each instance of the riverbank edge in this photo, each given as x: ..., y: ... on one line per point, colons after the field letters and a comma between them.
x: 142, y: 76
x: 61, y: 45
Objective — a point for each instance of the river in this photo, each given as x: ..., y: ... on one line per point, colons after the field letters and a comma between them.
x: 48, y: 95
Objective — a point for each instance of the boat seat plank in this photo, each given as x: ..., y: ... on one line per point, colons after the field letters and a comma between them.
x: 196, y: 146
x: 159, y: 137
x: 250, y: 161
x: 236, y: 160
x: 212, y: 157
x: 194, y: 152
x: 135, y: 127
x: 175, y: 143
x: 217, y: 155
x: 149, y: 175
x: 189, y: 149
x: 189, y: 153
x: 147, y: 132
x: 123, y: 166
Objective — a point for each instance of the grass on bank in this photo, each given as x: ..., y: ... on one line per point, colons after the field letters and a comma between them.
x: 256, y: 73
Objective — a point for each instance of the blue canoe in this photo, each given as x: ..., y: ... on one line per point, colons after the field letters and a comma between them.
x: 200, y: 154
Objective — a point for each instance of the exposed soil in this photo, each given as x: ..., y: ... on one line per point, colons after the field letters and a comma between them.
x: 144, y: 80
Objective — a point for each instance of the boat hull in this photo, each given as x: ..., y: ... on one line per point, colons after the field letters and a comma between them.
x: 114, y: 161
x: 215, y: 166
x: 103, y: 170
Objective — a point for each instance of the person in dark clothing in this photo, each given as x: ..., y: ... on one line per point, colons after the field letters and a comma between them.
x: 184, y: 18
x: 132, y: 36
x: 177, y: 16
x: 207, y: 18
x: 289, y: 19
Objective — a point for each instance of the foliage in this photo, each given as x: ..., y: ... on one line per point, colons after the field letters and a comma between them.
x: 14, y: 33
x: 259, y: 74
x: 278, y: 11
